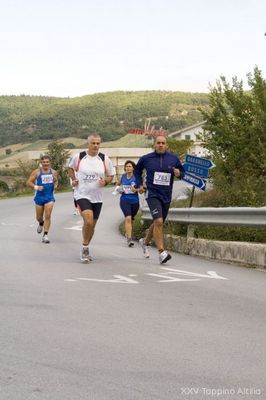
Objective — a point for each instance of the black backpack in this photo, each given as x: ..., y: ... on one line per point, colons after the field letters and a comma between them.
x: 84, y: 153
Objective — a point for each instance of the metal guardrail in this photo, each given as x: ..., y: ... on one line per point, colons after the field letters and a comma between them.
x: 234, y: 216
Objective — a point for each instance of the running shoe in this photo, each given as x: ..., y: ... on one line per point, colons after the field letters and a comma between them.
x: 145, y: 248
x: 39, y: 228
x: 130, y: 242
x: 45, y: 239
x: 164, y: 256
x: 85, y: 254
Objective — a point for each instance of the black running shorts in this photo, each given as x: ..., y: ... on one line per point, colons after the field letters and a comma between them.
x: 85, y: 204
x: 158, y: 208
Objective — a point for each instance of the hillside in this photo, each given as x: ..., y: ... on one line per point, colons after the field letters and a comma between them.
x: 130, y: 140
x: 27, y: 119
x: 21, y: 151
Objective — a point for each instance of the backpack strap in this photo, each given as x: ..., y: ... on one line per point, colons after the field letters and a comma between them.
x: 84, y: 153
x: 102, y: 157
x: 81, y: 155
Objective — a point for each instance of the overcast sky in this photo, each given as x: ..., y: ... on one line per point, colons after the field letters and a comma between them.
x: 71, y: 48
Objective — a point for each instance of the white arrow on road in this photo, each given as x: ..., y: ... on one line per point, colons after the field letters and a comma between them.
x: 118, y: 279
x: 210, y: 274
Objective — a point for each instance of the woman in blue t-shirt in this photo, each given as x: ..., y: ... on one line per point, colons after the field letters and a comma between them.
x: 129, y: 200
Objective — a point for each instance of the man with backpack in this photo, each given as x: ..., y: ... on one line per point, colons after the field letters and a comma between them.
x: 90, y: 171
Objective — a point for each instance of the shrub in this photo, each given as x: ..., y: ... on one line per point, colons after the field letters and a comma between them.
x: 4, y: 187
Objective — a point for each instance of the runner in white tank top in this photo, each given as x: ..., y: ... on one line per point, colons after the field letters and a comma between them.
x: 90, y: 171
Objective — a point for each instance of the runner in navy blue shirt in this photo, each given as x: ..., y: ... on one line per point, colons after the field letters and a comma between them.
x: 161, y: 168
x: 129, y: 200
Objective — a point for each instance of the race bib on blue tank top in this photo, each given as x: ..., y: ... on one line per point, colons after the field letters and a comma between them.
x: 47, y: 178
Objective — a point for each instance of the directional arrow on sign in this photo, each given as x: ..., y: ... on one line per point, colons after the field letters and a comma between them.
x: 200, y: 161
x: 195, y: 180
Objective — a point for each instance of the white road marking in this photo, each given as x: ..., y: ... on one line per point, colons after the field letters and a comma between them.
x: 164, y: 277
x: 75, y: 228
x: 210, y: 274
x: 9, y: 224
x: 167, y: 278
x: 118, y: 279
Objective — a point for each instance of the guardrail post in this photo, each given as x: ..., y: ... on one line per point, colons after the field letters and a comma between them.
x: 190, y: 231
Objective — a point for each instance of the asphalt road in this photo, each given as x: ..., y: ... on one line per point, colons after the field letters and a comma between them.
x: 122, y: 327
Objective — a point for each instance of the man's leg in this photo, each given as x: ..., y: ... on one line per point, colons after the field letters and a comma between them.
x: 39, y: 213
x: 159, y: 211
x: 88, y: 226
x: 48, y: 208
x: 149, y: 235
x: 158, y: 233
x: 39, y: 216
x: 90, y: 213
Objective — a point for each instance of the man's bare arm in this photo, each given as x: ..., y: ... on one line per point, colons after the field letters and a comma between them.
x: 32, y: 179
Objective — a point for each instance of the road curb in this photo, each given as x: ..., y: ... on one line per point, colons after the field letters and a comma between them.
x: 243, y: 253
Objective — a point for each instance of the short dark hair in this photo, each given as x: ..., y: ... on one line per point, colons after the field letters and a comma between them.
x: 45, y: 157
x: 129, y: 162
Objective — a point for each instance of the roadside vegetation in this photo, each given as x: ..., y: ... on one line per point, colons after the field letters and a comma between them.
x: 234, y: 134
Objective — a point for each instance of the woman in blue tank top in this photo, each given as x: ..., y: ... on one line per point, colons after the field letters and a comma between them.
x: 129, y: 200
x: 44, y: 182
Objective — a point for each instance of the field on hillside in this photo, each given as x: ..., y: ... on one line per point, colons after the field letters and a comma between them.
x: 130, y: 140
x: 13, y: 147
x: 20, y: 151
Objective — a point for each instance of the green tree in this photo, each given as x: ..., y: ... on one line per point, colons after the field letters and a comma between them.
x: 179, y: 147
x: 4, y: 187
x: 235, y: 135
x: 59, y: 156
x: 25, y: 168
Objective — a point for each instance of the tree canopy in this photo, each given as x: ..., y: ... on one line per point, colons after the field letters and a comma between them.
x: 30, y: 118
x: 235, y: 135
x: 59, y: 157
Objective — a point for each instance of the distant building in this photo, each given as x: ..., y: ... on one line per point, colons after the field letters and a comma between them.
x: 191, y: 133
x: 118, y: 155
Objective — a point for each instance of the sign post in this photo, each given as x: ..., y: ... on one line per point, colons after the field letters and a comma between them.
x: 196, y: 169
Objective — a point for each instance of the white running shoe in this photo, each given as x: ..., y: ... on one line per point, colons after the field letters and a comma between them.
x: 45, y: 239
x: 85, y: 254
x: 130, y: 242
x: 39, y: 228
x: 164, y: 256
x: 145, y: 248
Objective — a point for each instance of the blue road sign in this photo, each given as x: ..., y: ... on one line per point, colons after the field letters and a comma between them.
x: 197, y: 170
x: 195, y: 181
x: 199, y: 161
